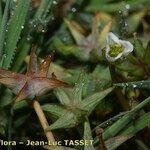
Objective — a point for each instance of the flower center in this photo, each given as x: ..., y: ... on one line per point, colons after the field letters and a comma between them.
x: 115, y: 49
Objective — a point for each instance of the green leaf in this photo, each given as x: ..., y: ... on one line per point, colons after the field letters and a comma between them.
x: 41, y: 9
x: 79, y: 86
x: 16, y: 22
x: 127, y: 133
x: 47, y: 12
x: 63, y: 95
x: 147, y: 54
x: 75, y: 31
x: 2, y: 130
x: 88, y: 135
x: 102, y: 72
x: 121, y: 123
x: 21, y: 120
x: 116, y: 141
x: 138, y: 47
x: 1, y: 12
x: 3, y: 122
x: 113, y: 7
x: 134, y: 20
x: 68, y: 120
x: 60, y: 72
x: 117, y: 126
x: 139, y: 124
x: 89, y: 103
x: 20, y: 105
x: 23, y: 49
x: 131, y: 69
x: 3, y: 26
x: 79, y: 52
x: 145, y: 84
x: 142, y: 145
x: 54, y: 109
x: 6, y: 99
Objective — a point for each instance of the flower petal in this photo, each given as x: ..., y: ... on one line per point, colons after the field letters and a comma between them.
x: 113, y: 42
x: 112, y: 38
x: 128, y: 47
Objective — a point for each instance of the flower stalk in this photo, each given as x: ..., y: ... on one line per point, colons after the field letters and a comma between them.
x: 43, y: 121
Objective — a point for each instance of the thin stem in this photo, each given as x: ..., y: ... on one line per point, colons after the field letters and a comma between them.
x: 43, y: 121
x: 124, y: 103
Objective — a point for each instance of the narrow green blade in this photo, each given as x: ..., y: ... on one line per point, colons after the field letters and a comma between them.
x: 15, y: 26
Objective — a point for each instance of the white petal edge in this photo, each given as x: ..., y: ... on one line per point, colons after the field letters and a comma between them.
x: 112, y: 38
x: 128, y: 47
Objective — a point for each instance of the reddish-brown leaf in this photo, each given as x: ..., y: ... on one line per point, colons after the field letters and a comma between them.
x: 32, y: 84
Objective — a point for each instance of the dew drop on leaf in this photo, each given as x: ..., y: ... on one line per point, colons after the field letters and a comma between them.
x: 127, y: 6
x: 52, y: 18
x: 4, y: 55
x: 54, y: 2
x: 15, y: 1
x: 22, y: 27
x: 73, y: 9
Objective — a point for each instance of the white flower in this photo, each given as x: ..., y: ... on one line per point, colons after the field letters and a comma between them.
x: 116, y: 48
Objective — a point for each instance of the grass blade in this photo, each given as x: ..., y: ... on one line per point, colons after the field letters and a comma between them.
x: 137, y: 84
x: 138, y: 125
x: 3, y: 26
x: 88, y: 135
x: 16, y: 22
x: 121, y: 123
x: 23, y: 49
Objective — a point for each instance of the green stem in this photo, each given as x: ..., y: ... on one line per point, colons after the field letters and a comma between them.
x: 120, y: 97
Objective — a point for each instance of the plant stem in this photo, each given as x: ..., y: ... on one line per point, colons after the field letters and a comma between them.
x: 43, y: 121
x: 124, y: 103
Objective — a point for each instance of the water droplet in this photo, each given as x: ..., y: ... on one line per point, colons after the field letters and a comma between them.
x: 45, y: 21
x: 4, y: 55
x: 126, y: 84
x: 54, y: 2
x: 127, y: 6
x: 77, y: 89
x: 134, y: 86
x: 125, y: 24
x: 73, y: 9
x: 52, y: 18
x: 22, y: 27
x: 120, y: 12
x: 12, y: 13
x: 28, y: 38
x: 6, y: 30
x: 43, y: 30
x: 34, y: 25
